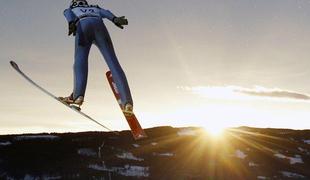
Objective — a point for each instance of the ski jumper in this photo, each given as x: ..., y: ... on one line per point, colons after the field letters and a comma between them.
x: 91, y: 30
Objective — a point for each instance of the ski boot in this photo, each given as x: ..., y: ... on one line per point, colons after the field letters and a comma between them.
x: 73, y: 103
x: 128, y: 110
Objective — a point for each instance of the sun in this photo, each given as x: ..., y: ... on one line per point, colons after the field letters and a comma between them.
x: 214, y: 131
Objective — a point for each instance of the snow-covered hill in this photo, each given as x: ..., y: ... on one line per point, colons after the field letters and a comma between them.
x: 168, y: 153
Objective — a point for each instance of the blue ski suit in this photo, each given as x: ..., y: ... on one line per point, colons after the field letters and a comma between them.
x: 91, y: 30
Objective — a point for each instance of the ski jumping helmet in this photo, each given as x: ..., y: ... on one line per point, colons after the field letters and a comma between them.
x: 76, y: 3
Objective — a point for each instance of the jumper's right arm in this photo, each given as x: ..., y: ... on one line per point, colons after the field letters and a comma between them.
x: 70, y: 17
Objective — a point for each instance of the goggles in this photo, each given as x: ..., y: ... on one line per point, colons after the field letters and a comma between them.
x: 79, y: 4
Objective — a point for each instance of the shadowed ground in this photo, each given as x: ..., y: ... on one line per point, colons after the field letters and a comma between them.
x: 168, y: 153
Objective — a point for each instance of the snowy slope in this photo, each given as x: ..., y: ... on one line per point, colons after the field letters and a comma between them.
x: 168, y: 153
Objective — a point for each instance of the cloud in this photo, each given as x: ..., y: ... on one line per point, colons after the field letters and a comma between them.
x: 237, y: 92
x: 274, y: 93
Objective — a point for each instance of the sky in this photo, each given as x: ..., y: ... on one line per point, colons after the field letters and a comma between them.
x: 203, y: 63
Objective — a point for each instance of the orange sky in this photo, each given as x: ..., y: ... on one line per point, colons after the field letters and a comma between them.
x: 181, y: 59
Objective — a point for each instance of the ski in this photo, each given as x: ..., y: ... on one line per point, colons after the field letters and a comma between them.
x: 136, y: 129
x: 15, y: 66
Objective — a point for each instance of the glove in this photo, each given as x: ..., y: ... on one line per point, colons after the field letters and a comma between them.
x: 72, y: 29
x: 120, y: 21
